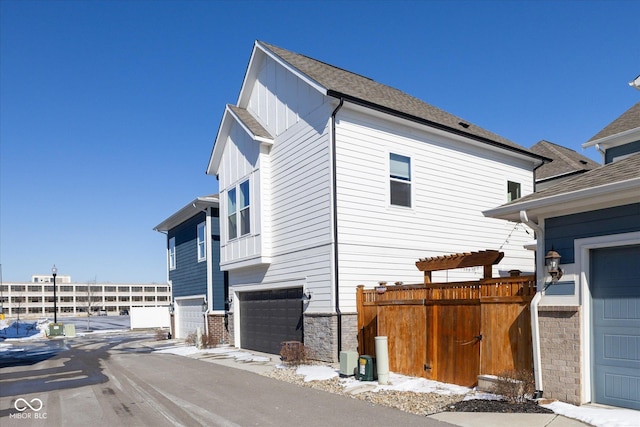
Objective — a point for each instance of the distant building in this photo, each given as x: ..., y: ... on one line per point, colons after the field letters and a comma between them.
x: 48, y: 278
x: 36, y: 298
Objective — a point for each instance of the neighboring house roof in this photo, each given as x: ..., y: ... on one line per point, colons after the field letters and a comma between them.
x: 613, y: 184
x: 341, y: 83
x: 635, y: 83
x: 629, y: 121
x: 565, y: 161
x: 188, y: 211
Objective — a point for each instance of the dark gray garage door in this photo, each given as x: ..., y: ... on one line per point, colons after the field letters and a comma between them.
x: 268, y: 318
x: 615, y: 287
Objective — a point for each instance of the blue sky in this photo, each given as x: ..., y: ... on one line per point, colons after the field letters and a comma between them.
x: 109, y: 109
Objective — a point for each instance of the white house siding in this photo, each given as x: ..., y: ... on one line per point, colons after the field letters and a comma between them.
x: 294, y: 183
x: 278, y: 98
x: 452, y: 182
x: 241, y: 159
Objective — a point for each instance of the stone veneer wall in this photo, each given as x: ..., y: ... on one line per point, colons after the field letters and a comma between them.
x: 560, y: 352
x: 217, y: 329
x: 320, y: 335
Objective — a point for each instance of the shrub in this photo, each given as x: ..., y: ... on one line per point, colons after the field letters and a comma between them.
x: 191, y: 339
x: 515, y: 385
x: 162, y: 334
x: 293, y: 353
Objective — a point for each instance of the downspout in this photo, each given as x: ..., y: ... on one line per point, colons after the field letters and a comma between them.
x: 602, y: 153
x: 335, y: 225
x: 535, y: 301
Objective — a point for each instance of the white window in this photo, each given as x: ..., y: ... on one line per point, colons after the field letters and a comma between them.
x: 202, y: 251
x: 400, y: 180
x: 513, y: 190
x: 244, y: 206
x: 239, y: 210
x: 172, y: 253
x: 232, y: 221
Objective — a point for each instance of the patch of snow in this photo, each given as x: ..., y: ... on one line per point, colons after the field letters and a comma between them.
x: 598, y: 417
x: 316, y: 372
x: 180, y: 350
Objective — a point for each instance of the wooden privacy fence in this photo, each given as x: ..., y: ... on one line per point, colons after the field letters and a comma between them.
x: 450, y: 332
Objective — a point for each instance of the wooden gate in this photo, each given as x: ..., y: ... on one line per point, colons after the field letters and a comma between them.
x: 450, y: 332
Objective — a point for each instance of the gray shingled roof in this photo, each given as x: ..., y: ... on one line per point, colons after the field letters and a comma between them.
x: 611, y: 173
x: 341, y: 82
x: 250, y: 122
x: 565, y: 160
x: 630, y: 119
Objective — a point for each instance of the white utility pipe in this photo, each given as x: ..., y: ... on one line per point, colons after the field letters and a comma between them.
x: 535, y: 330
x: 382, y: 360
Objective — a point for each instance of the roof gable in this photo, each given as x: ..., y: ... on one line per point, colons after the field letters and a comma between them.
x: 629, y: 121
x: 565, y: 161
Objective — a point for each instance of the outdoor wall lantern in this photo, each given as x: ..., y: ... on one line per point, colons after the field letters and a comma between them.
x: 54, y: 273
x: 172, y: 308
x: 552, y: 260
x: 306, y: 296
x: 205, y: 306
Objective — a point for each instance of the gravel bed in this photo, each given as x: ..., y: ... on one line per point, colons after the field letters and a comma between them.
x: 408, y: 401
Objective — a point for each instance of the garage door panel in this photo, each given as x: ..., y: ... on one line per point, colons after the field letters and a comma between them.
x: 268, y: 318
x: 189, y: 317
x: 615, y: 287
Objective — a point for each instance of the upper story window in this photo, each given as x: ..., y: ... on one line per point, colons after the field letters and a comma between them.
x: 513, y: 190
x: 202, y: 252
x: 400, y: 180
x: 172, y: 253
x: 239, y: 210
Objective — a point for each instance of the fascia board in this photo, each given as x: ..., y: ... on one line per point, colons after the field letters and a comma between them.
x: 218, y: 144
x: 616, y: 140
x: 228, y: 118
x: 599, y: 197
x: 187, y: 212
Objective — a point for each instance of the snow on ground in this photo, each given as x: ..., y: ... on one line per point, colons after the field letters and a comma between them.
x: 597, y: 416
x: 21, y: 330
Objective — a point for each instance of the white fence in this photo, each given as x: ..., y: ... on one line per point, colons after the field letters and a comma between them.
x: 150, y: 317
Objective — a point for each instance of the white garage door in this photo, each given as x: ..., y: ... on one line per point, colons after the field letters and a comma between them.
x: 189, y: 317
x: 615, y: 274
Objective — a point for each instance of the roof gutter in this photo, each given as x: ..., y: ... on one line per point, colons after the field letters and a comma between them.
x: 336, y: 270
x: 434, y: 125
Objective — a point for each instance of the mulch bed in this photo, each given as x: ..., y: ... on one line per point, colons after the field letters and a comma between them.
x: 501, y: 406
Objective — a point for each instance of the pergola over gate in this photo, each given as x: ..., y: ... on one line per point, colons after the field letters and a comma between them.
x: 451, y: 332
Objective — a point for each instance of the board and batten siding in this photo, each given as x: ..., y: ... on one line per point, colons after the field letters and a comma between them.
x: 279, y: 99
x: 452, y: 183
x: 190, y: 276
x: 242, y: 159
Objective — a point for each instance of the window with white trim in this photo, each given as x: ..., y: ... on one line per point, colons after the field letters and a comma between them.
x: 239, y: 210
x: 399, y: 180
x: 202, y: 251
x: 244, y: 206
x: 513, y: 190
x: 172, y: 253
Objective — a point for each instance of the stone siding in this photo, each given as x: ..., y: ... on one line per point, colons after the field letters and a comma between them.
x: 320, y: 335
x: 560, y: 352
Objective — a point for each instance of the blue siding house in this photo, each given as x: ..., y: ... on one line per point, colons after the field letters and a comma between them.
x: 586, y: 320
x: 199, y: 288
